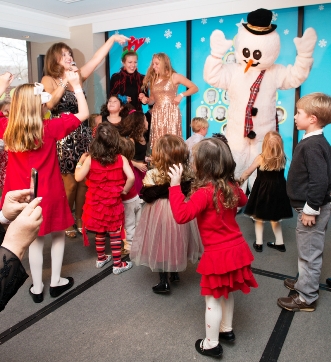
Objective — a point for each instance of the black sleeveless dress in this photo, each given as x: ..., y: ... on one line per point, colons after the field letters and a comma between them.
x: 70, y: 148
x: 268, y: 200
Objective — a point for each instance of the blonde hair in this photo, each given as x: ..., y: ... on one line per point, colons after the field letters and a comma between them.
x: 318, y: 105
x: 273, y: 156
x: 25, y: 127
x: 197, y: 123
x: 166, y: 71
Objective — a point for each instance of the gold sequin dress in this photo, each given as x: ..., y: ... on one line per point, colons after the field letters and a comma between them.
x: 166, y: 117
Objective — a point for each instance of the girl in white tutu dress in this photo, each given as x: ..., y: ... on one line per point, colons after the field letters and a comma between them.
x: 159, y: 242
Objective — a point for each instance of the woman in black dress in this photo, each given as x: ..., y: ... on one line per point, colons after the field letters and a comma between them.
x: 59, y: 58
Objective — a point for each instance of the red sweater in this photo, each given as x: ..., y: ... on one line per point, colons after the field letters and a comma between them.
x: 217, y: 230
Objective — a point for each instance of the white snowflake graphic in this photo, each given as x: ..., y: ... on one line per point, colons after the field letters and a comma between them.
x: 321, y: 7
x: 279, y: 102
x: 274, y: 16
x: 168, y: 33
x: 203, y: 39
x: 178, y: 45
x: 147, y: 40
x: 204, y: 21
x: 202, y: 102
x: 117, y: 32
x: 322, y: 43
x: 239, y: 25
x: 286, y: 31
x: 221, y: 21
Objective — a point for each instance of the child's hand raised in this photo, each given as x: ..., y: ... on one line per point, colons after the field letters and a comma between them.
x: 73, y: 78
x: 175, y: 174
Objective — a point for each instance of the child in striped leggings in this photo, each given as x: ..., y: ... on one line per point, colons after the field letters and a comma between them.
x: 108, y: 175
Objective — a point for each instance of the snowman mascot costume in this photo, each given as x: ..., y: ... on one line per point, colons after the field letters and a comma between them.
x: 252, y: 82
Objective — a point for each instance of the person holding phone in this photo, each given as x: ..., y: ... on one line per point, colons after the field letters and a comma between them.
x: 31, y: 142
x: 24, y: 221
x: 59, y: 59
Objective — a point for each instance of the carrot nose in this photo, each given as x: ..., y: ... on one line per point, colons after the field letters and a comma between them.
x: 250, y: 62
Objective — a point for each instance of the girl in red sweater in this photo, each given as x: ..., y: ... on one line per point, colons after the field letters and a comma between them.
x: 225, y: 265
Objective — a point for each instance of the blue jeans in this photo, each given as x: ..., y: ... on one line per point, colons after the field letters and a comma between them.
x: 310, y: 243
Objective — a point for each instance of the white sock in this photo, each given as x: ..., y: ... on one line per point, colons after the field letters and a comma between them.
x: 259, y: 232
x: 213, y: 317
x: 227, y: 313
x: 36, y: 264
x: 57, y: 251
x: 277, y: 229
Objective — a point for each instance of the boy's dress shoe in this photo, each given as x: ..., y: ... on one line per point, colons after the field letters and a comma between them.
x: 227, y: 336
x: 328, y: 282
x: 174, y: 277
x: 57, y: 291
x: 258, y: 247
x: 37, y: 298
x: 215, y: 352
x: 289, y: 283
x: 294, y: 304
x: 280, y: 247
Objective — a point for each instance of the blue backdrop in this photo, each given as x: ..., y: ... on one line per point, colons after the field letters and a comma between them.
x: 172, y: 39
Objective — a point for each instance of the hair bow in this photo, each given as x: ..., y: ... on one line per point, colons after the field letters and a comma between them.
x: 38, y: 90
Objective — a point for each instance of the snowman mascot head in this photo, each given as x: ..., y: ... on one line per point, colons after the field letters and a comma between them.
x: 257, y: 44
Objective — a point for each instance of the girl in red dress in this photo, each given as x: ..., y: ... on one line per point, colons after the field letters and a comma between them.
x: 31, y: 143
x: 225, y: 265
x: 109, y: 175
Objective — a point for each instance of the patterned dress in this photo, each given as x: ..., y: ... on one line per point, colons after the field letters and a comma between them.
x: 70, y: 148
x: 166, y: 117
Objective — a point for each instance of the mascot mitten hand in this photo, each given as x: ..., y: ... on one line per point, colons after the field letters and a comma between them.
x: 218, y: 44
x: 306, y: 44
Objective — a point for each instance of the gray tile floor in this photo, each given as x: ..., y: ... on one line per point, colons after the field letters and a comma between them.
x: 118, y: 318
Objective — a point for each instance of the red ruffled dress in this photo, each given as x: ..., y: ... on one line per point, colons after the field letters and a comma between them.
x: 55, y: 208
x: 225, y: 265
x: 103, y: 210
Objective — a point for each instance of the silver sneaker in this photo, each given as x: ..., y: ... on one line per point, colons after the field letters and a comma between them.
x: 100, y: 264
x: 122, y: 269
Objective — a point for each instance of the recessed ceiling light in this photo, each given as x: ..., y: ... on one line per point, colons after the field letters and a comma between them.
x: 26, y: 36
x: 69, y: 1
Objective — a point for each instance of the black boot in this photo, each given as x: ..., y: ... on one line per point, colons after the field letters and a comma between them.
x: 174, y: 277
x: 163, y: 286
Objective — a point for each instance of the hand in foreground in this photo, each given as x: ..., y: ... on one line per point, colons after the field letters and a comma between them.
x: 73, y: 78
x: 175, y: 174
x: 121, y: 39
x: 15, y: 202
x: 24, y: 229
x: 308, y: 220
x: 141, y: 96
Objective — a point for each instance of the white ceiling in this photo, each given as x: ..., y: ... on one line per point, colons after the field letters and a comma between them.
x: 78, y: 8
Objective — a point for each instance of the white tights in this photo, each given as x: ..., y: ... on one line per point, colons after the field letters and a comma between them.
x: 36, y: 261
x: 276, y: 228
x: 218, y: 318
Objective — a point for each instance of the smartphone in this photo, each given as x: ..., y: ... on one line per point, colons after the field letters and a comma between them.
x: 33, y: 184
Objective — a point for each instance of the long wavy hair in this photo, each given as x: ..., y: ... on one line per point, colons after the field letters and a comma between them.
x: 166, y: 71
x: 273, y: 155
x: 25, y: 129
x: 214, y: 164
x: 105, y: 146
x: 168, y: 150
x: 52, y: 59
x: 133, y: 126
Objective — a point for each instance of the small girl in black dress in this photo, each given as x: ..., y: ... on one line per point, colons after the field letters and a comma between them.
x: 268, y: 200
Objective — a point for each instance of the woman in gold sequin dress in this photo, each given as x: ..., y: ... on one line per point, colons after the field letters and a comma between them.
x: 163, y: 82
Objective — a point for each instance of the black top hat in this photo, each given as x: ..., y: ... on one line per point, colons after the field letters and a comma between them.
x: 259, y: 22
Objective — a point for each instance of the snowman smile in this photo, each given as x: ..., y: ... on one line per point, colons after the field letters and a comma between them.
x: 253, y: 64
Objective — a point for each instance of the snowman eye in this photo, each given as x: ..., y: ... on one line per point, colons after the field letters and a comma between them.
x: 246, y: 53
x: 257, y: 54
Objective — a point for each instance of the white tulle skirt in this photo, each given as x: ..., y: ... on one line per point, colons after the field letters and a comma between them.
x: 162, y: 244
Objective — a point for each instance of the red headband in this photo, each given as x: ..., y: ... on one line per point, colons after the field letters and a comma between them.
x: 132, y: 111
